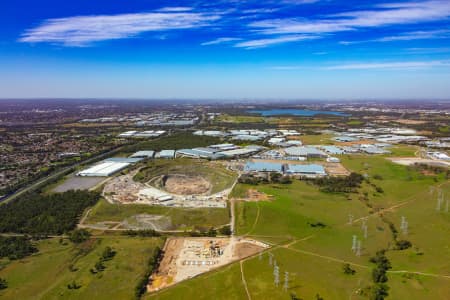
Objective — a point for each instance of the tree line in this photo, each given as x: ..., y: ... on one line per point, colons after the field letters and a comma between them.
x: 39, y: 214
x: 346, y: 184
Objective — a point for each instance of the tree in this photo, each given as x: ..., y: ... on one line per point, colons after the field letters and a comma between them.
x: 73, y: 286
x: 348, y: 269
x: 99, y: 266
x: 379, y: 291
x: 225, y: 230
x: 3, y: 284
x: 403, y: 244
x: 108, y: 254
x: 79, y: 235
x: 294, y: 297
x: 16, y: 247
x: 211, y: 232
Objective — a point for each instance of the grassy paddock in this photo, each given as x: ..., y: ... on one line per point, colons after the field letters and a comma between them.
x: 47, y: 274
x: 182, y: 218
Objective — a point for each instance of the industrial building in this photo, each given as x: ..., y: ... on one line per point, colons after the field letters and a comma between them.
x: 104, y: 169
x: 224, y: 147
x: 128, y: 160
x: 138, y: 134
x: 143, y: 154
x: 260, y: 166
x: 168, y: 154
x: 332, y: 150
x: 311, y: 171
x: 239, y: 152
x: 207, y: 153
x: 310, y: 152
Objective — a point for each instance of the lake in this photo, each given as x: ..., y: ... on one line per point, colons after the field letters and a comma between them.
x: 296, y: 112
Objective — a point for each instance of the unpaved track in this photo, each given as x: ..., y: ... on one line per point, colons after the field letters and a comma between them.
x: 243, y: 280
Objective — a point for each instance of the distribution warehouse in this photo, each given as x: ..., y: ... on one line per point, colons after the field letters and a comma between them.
x: 104, y: 169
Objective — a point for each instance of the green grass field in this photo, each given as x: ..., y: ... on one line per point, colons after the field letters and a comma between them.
x: 181, y: 218
x: 314, y: 256
x: 47, y: 274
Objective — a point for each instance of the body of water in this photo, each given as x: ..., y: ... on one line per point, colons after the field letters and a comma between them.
x: 296, y: 112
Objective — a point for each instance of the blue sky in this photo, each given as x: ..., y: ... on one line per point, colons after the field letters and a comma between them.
x: 289, y: 49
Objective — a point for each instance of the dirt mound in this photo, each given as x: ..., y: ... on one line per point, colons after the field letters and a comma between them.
x: 187, y: 185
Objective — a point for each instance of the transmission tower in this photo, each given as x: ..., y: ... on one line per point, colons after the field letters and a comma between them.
x: 276, y: 275
x: 439, y: 201
x: 358, y: 248
x: 286, y: 281
x: 350, y: 219
x: 354, y: 242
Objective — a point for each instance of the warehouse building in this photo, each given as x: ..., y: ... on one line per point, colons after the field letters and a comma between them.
x: 259, y: 166
x: 128, y: 160
x: 239, y: 152
x: 310, y: 171
x: 332, y: 150
x: 199, y: 153
x: 143, y: 154
x: 224, y: 147
x: 310, y: 152
x: 104, y: 169
x: 168, y: 154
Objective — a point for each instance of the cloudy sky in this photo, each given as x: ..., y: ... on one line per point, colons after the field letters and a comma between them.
x: 289, y: 49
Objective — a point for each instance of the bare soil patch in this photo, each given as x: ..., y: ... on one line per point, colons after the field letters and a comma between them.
x: 185, y: 258
x: 411, y: 122
x: 186, y: 185
x: 246, y: 249
x: 255, y: 195
x: 336, y: 169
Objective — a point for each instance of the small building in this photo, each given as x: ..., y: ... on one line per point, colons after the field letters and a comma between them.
x: 260, y: 166
x: 333, y: 160
x: 276, y: 140
x: 345, y: 139
x: 310, y: 171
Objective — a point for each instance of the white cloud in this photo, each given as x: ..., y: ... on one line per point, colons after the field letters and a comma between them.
x: 260, y: 43
x: 417, y: 35
x: 221, y: 40
x: 175, y: 9
x: 391, y: 65
x: 406, y: 36
x: 387, y: 14
x: 84, y: 30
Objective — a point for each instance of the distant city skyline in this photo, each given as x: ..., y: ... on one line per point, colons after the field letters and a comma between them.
x: 286, y: 49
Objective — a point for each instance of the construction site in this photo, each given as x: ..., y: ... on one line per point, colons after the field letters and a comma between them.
x: 185, y: 258
x: 177, y: 187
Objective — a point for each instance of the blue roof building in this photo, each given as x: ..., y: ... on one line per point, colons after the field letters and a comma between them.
x: 260, y: 166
